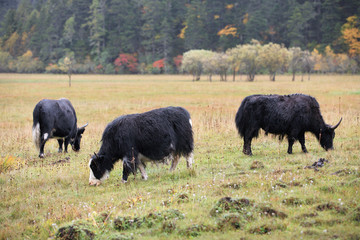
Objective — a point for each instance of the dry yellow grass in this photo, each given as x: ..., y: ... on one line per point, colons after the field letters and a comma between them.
x: 44, y: 194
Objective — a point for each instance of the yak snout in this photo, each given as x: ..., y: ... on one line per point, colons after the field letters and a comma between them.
x: 94, y: 182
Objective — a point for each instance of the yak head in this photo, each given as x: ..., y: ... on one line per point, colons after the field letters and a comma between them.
x: 75, y: 142
x: 327, y: 135
x: 98, y: 170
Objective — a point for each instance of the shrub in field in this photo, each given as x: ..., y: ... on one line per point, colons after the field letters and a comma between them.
x: 231, y: 221
x: 125, y: 223
x: 10, y: 162
x: 228, y: 204
x: 156, y: 217
x: 76, y: 231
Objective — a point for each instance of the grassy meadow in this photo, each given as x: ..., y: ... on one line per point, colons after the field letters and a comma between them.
x: 272, y: 195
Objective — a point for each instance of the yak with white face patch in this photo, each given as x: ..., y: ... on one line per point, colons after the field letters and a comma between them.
x: 56, y: 119
x: 157, y: 135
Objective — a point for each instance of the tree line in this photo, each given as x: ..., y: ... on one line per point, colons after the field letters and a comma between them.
x: 272, y: 58
x: 151, y: 36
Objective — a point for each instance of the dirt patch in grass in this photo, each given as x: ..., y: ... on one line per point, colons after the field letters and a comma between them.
x: 307, y: 215
x: 280, y: 184
x: 346, y: 172
x: 319, y: 222
x: 234, y: 185
x: 195, y: 230
x: 292, y: 201
x: 331, y: 206
x: 61, y: 161
x: 256, y: 165
x: 281, y: 171
x: 267, y: 228
x: 230, y: 221
x: 182, y: 198
x: 270, y: 212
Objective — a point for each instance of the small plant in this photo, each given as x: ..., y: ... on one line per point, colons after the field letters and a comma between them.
x: 9, y: 163
x: 168, y: 226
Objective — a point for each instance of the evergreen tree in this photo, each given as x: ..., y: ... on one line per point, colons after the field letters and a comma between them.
x: 123, y: 27
x: 196, y: 35
x: 96, y: 24
x: 330, y: 21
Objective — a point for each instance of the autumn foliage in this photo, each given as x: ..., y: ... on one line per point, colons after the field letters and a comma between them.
x: 126, y: 63
x: 159, y: 64
x: 351, y: 34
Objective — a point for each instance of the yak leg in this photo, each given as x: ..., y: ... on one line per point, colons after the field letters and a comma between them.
x: 66, y: 143
x: 189, y: 160
x: 302, y: 142
x: 142, y: 170
x: 60, y: 141
x: 44, y: 138
x: 247, y: 146
x: 130, y: 163
x: 291, y: 141
x: 174, y: 162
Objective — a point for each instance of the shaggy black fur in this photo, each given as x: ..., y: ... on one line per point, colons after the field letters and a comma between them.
x: 57, y: 119
x: 155, y: 134
x: 289, y: 115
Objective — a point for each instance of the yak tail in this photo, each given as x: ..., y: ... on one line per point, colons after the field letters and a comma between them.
x: 241, y: 120
x: 36, y: 127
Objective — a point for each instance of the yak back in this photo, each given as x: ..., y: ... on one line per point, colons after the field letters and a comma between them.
x: 56, y: 116
x: 279, y: 114
x: 155, y: 134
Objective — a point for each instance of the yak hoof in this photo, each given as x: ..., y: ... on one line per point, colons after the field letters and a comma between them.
x: 249, y: 153
x: 41, y: 155
x: 123, y: 181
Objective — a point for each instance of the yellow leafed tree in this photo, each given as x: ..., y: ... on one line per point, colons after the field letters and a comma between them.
x: 351, y: 34
x: 228, y: 30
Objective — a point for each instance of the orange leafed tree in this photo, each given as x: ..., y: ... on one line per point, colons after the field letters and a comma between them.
x: 351, y: 34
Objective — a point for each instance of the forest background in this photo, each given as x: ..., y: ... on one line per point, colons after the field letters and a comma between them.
x: 152, y: 36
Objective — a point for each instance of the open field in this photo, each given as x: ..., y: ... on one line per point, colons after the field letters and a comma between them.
x: 274, y: 197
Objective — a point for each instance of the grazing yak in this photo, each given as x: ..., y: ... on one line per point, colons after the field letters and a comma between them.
x: 288, y: 115
x: 157, y: 135
x: 56, y: 119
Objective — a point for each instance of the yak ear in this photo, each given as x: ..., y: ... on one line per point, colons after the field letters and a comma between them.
x: 334, y: 127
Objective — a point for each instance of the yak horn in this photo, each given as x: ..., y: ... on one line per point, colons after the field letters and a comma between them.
x: 334, y: 127
x: 84, y: 126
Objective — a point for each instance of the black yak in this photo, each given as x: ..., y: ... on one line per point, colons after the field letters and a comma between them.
x: 288, y: 115
x: 157, y: 135
x: 56, y: 119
